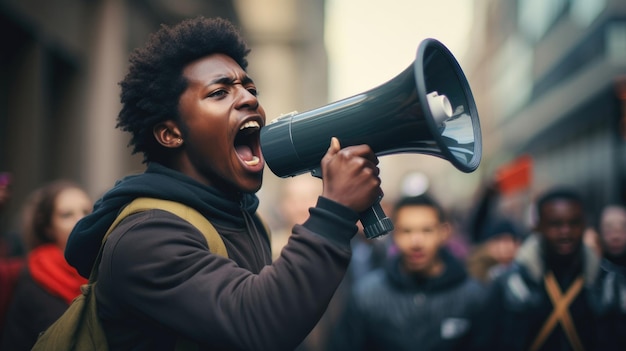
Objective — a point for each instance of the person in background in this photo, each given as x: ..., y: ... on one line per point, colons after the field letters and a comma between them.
x: 495, y: 251
x: 194, y: 113
x: 612, y: 234
x: 422, y: 298
x: 547, y: 300
x: 47, y: 284
x: 612, y: 285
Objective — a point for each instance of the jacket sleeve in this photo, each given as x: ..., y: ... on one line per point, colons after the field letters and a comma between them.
x: 159, y: 268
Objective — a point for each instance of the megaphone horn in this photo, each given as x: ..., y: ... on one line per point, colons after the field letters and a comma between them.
x: 427, y: 109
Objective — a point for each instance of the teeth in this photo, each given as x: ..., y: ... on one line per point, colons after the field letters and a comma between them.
x: 255, y: 161
x: 251, y: 124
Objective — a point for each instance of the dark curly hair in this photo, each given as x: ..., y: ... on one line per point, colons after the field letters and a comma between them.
x: 559, y: 193
x: 154, y: 83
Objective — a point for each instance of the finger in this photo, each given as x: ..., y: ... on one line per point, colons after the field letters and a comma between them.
x: 364, y: 151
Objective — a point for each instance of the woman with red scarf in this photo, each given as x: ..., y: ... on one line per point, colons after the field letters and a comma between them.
x: 48, y: 283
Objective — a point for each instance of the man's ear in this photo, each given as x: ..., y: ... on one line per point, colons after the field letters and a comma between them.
x: 168, y: 134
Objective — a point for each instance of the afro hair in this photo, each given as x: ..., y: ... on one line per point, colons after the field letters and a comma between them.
x: 154, y: 83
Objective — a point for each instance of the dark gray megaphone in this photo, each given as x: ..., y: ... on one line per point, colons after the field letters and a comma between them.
x: 426, y: 109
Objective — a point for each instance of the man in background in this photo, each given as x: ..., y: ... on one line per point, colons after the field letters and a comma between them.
x: 423, y: 296
x: 547, y: 300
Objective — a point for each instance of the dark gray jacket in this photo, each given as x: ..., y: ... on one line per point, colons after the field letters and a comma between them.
x: 158, y: 283
x: 392, y: 311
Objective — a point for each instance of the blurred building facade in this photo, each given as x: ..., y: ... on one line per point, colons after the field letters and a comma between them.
x: 61, y: 62
x: 549, y: 80
x: 547, y: 77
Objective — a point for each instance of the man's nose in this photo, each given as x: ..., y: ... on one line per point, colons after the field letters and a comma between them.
x: 416, y: 238
x: 247, y: 99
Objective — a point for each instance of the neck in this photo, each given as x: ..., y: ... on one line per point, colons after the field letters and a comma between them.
x: 564, y: 265
x: 434, y: 269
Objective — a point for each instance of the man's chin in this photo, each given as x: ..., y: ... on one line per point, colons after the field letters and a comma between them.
x: 252, y: 187
x: 416, y: 267
x: 567, y: 253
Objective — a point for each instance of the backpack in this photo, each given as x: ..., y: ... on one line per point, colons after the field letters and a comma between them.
x: 79, y: 327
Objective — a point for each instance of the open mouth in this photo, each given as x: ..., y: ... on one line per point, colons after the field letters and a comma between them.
x: 247, y: 143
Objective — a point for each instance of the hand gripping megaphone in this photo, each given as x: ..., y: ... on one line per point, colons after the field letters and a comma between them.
x: 427, y: 109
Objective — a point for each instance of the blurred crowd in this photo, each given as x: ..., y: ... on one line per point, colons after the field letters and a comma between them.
x: 485, y: 280
x: 488, y: 282
x: 37, y: 284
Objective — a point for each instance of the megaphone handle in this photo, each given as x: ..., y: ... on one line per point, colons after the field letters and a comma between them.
x: 375, y: 222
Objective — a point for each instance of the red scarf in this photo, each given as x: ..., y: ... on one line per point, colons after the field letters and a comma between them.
x: 51, y: 271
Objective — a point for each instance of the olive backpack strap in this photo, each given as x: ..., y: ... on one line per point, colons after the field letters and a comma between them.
x: 214, y: 240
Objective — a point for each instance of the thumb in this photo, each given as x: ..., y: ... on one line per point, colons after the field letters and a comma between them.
x: 334, y: 146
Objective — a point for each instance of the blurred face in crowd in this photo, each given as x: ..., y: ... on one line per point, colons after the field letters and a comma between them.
x: 503, y: 248
x: 562, y: 224
x: 70, y: 206
x: 418, y: 235
x: 613, y: 230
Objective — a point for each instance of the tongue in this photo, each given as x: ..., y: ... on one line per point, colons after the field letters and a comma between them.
x: 244, y: 152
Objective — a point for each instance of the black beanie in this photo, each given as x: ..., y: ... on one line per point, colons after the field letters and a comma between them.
x: 498, y: 227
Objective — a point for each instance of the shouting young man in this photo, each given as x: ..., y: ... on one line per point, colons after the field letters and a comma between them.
x: 193, y: 112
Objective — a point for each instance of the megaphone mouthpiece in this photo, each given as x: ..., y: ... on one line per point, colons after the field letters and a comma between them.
x: 440, y: 107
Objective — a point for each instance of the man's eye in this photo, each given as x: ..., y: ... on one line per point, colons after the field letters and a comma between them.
x: 253, y: 91
x: 218, y: 93
x: 65, y: 215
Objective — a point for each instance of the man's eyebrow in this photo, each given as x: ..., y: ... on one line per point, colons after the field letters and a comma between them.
x: 228, y: 80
